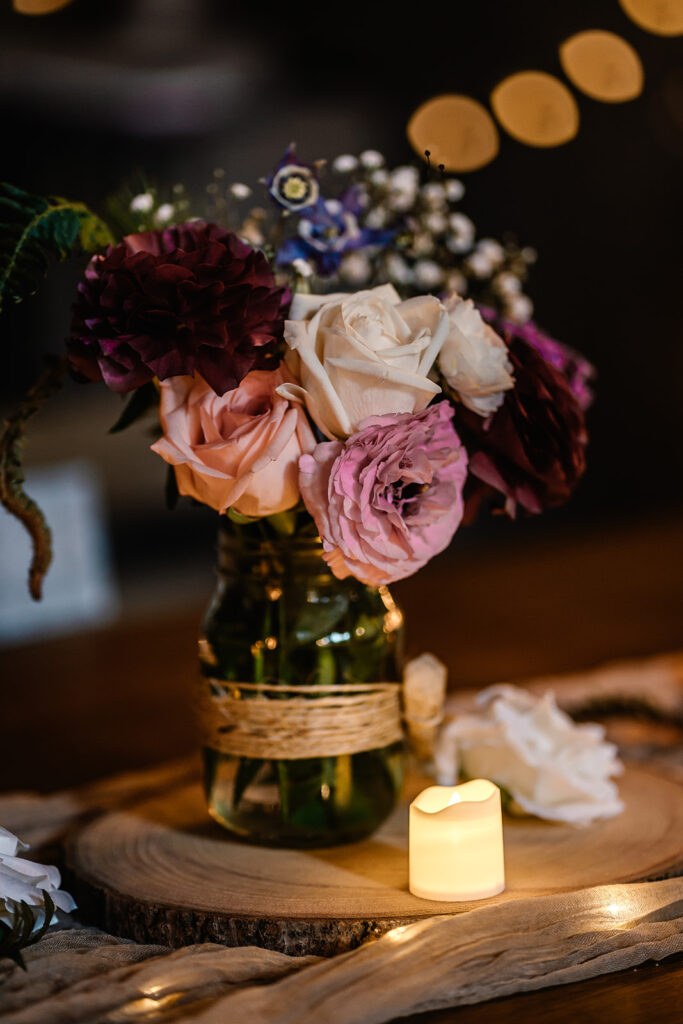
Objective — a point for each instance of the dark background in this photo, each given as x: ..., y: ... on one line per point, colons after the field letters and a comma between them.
x: 178, y: 87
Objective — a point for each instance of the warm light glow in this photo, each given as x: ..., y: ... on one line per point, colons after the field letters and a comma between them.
x: 398, y: 934
x: 536, y: 108
x: 663, y: 17
x: 38, y: 6
x: 622, y: 910
x: 393, y: 618
x: 149, y: 1009
x: 457, y: 130
x: 456, y: 842
x: 603, y: 65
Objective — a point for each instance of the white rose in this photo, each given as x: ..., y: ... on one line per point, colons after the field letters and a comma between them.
x: 363, y: 354
x: 473, y: 359
x: 23, y: 881
x: 551, y: 766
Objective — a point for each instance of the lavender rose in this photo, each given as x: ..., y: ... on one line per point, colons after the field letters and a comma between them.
x: 169, y: 303
x: 389, y: 498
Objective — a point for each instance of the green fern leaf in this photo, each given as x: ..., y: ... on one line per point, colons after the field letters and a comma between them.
x: 32, y: 228
x: 18, y: 935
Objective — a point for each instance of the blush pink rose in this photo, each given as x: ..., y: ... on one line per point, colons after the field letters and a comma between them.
x: 238, y: 450
x: 389, y: 498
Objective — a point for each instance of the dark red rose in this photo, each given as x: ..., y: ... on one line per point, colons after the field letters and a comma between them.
x: 532, y: 449
x: 185, y: 299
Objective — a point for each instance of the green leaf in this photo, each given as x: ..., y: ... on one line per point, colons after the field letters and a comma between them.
x: 20, y: 934
x: 141, y: 400
x: 284, y: 523
x: 35, y: 227
x: 247, y: 770
x: 238, y: 518
x: 49, y: 909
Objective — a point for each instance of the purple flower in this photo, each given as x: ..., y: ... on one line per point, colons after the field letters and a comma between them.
x: 329, y: 230
x: 164, y: 303
x: 574, y: 367
x: 389, y: 498
x: 293, y: 184
x: 532, y: 449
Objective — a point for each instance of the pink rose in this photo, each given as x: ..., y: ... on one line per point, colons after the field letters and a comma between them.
x: 238, y: 450
x: 389, y: 498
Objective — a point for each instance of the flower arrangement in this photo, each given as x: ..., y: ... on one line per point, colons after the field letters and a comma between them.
x: 356, y: 365
x: 343, y: 371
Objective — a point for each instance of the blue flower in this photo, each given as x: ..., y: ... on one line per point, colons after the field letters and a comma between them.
x: 330, y: 230
x: 294, y: 185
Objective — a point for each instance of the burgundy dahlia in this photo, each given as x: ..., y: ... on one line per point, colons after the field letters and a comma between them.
x: 185, y: 299
x: 574, y: 367
x: 532, y: 449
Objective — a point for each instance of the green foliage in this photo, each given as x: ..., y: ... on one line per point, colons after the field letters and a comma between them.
x: 237, y: 517
x: 12, y: 493
x: 18, y: 935
x: 142, y: 399
x: 32, y: 228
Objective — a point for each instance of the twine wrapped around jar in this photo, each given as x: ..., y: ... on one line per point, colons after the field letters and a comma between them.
x: 276, y: 721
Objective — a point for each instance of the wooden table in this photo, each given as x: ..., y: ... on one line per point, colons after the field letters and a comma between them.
x: 84, y: 707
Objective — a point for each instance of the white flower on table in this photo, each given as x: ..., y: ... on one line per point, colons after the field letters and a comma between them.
x: 473, y: 359
x: 552, y: 767
x: 23, y: 880
x: 362, y: 354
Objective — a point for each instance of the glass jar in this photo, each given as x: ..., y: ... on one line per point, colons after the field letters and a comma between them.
x: 280, y: 619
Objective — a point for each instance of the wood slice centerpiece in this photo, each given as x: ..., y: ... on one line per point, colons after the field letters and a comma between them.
x: 160, y: 872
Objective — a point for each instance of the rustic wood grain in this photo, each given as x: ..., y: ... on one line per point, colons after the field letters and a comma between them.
x: 159, y: 871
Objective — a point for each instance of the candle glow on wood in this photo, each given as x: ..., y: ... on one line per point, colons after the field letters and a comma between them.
x: 456, y: 842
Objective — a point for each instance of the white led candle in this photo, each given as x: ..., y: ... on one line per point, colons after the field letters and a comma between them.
x: 456, y: 842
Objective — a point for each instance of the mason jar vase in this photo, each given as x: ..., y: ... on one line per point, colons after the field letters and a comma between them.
x: 280, y: 623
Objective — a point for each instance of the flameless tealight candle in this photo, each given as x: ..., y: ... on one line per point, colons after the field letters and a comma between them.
x: 456, y: 842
